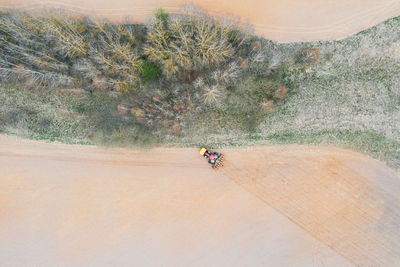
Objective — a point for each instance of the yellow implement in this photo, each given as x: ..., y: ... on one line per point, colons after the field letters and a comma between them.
x: 203, y: 150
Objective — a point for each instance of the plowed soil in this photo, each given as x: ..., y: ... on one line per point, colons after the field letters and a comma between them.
x: 277, y: 206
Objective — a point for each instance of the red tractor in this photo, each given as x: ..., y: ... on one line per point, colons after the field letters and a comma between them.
x: 214, y: 158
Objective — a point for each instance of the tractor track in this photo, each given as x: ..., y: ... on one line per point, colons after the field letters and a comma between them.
x: 83, y: 160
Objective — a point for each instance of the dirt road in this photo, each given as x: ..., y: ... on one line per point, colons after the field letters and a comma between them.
x: 281, y: 206
x: 283, y: 21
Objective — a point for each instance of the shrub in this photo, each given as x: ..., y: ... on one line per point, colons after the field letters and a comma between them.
x: 212, y: 94
x: 188, y: 42
x: 149, y: 71
x: 66, y: 31
x: 308, y: 56
x: 161, y: 14
x: 114, y: 53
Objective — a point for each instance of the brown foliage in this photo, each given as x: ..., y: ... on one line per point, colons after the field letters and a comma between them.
x: 257, y: 45
x: 245, y: 64
x: 176, y: 128
x: 315, y: 52
x: 281, y: 92
x: 122, y: 110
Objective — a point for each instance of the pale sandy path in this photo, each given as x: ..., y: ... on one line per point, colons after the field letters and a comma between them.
x: 279, y: 20
x: 281, y: 206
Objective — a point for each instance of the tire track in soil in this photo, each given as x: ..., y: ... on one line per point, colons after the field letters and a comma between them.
x: 105, y: 161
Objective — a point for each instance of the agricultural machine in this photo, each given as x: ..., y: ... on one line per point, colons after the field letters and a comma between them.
x: 214, y: 159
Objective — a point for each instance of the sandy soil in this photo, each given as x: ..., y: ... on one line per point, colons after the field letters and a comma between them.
x: 283, y: 20
x: 279, y: 206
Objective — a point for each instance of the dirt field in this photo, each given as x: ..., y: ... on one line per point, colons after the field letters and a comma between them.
x: 281, y: 206
x: 283, y: 21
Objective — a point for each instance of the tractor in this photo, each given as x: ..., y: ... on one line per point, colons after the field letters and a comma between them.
x: 214, y: 159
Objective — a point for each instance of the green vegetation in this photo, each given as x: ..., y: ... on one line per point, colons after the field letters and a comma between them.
x: 192, y: 79
x: 161, y: 14
x: 149, y: 71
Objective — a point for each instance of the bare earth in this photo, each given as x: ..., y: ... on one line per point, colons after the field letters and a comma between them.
x: 277, y: 206
x: 279, y: 20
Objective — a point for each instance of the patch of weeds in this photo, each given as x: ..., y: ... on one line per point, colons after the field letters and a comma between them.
x: 149, y: 71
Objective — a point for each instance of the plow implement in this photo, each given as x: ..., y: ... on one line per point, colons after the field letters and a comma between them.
x: 219, y: 162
